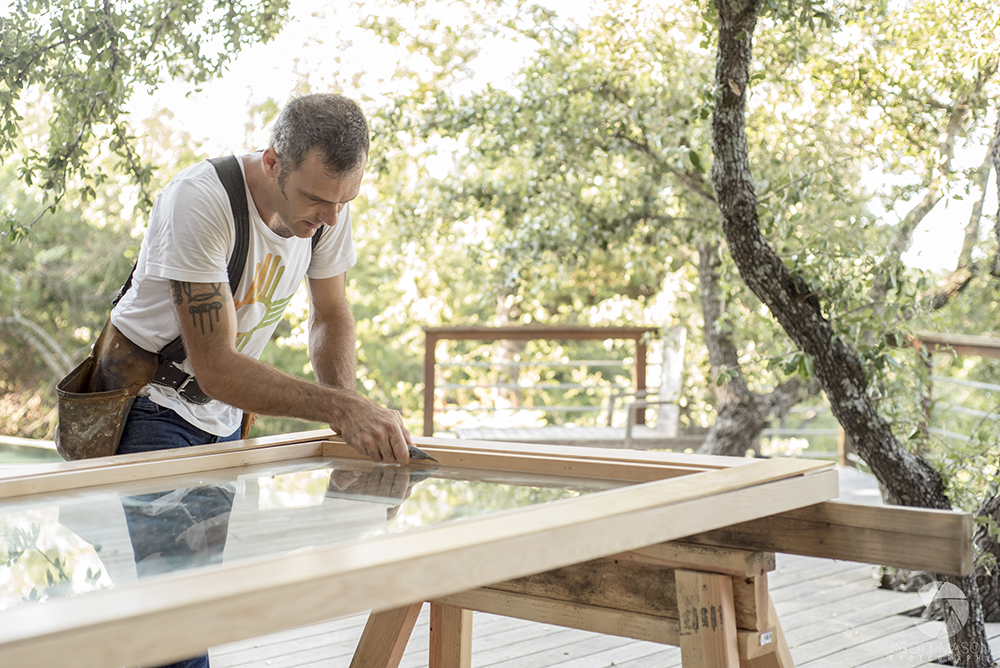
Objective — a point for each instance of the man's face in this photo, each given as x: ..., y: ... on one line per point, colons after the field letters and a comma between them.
x: 309, y: 197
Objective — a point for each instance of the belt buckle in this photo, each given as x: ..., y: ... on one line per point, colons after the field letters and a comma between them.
x: 187, y: 380
x: 196, y: 395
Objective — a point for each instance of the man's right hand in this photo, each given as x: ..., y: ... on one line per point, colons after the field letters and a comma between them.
x: 373, y: 431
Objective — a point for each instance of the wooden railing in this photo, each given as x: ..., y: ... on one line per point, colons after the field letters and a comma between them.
x: 960, y: 344
x: 433, y: 335
x: 981, y: 346
x: 931, y: 343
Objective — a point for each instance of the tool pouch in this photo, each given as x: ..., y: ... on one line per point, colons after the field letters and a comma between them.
x: 94, y: 398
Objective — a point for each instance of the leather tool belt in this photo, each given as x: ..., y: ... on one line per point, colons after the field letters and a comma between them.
x: 94, y: 398
x: 169, y: 375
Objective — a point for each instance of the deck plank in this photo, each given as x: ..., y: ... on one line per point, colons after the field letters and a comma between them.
x: 911, y: 646
x: 809, y: 626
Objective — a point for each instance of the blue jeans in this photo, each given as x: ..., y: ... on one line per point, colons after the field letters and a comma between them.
x: 152, y: 427
x: 155, y: 533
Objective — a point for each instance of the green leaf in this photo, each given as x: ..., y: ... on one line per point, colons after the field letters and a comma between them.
x: 696, y: 161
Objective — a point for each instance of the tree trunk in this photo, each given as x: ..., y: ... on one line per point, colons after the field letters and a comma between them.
x: 507, y: 313
x: 741, y: 414
x: 671, y: 381
x: 738, y: 422
x: 988, y: 575
x: 908, y: 479
x: 966, y: 629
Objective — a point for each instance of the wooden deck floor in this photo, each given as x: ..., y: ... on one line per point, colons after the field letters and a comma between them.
x: 833, y: 613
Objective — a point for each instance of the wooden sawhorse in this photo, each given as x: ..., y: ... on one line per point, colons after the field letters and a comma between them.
x: 711, y: 602
x: 706, y: 594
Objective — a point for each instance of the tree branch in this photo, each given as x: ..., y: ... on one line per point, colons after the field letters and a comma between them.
x: 933, y: 192
x: 975, y: 216
x: 935, y: 188
x: 692, y: 182
x: 966, y: 269
x: 31, y: 57
x: 47, y: 348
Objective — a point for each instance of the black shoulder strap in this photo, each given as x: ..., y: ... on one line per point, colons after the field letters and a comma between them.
x: 231, y: 176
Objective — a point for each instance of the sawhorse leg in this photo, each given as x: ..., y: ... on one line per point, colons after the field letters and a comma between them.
x: 386, y: 634
x: 451, y: 637
x: 780, y: 657
x: 707, y: 616
x: 385, y: 637
x: 708, y: 625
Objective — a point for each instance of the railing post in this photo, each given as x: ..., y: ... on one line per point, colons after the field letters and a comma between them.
x: 926, y: 396
x: 640, y: 376
x: 430, y: 364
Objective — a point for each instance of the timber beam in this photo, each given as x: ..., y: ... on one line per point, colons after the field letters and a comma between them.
x: 938, y: 541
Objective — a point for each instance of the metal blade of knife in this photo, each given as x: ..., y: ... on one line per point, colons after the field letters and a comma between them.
x: 418, y: 454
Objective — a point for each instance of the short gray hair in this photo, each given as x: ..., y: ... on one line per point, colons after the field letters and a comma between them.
x: 332, y: 123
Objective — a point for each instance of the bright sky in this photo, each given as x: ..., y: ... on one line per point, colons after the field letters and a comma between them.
x: 328, y: 48
x: 938, y: 240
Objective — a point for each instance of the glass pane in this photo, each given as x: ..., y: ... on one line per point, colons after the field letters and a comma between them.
x: 69, y: 543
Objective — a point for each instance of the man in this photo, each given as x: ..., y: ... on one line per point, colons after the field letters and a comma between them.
x: 303, y: 182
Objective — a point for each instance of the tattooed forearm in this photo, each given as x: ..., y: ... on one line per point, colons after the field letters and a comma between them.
x: 204, y: 302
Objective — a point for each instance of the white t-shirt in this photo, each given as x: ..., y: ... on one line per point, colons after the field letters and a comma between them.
x: 190, y: 238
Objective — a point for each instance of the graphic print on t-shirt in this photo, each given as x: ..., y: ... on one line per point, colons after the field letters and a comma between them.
x: 264, y: 309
